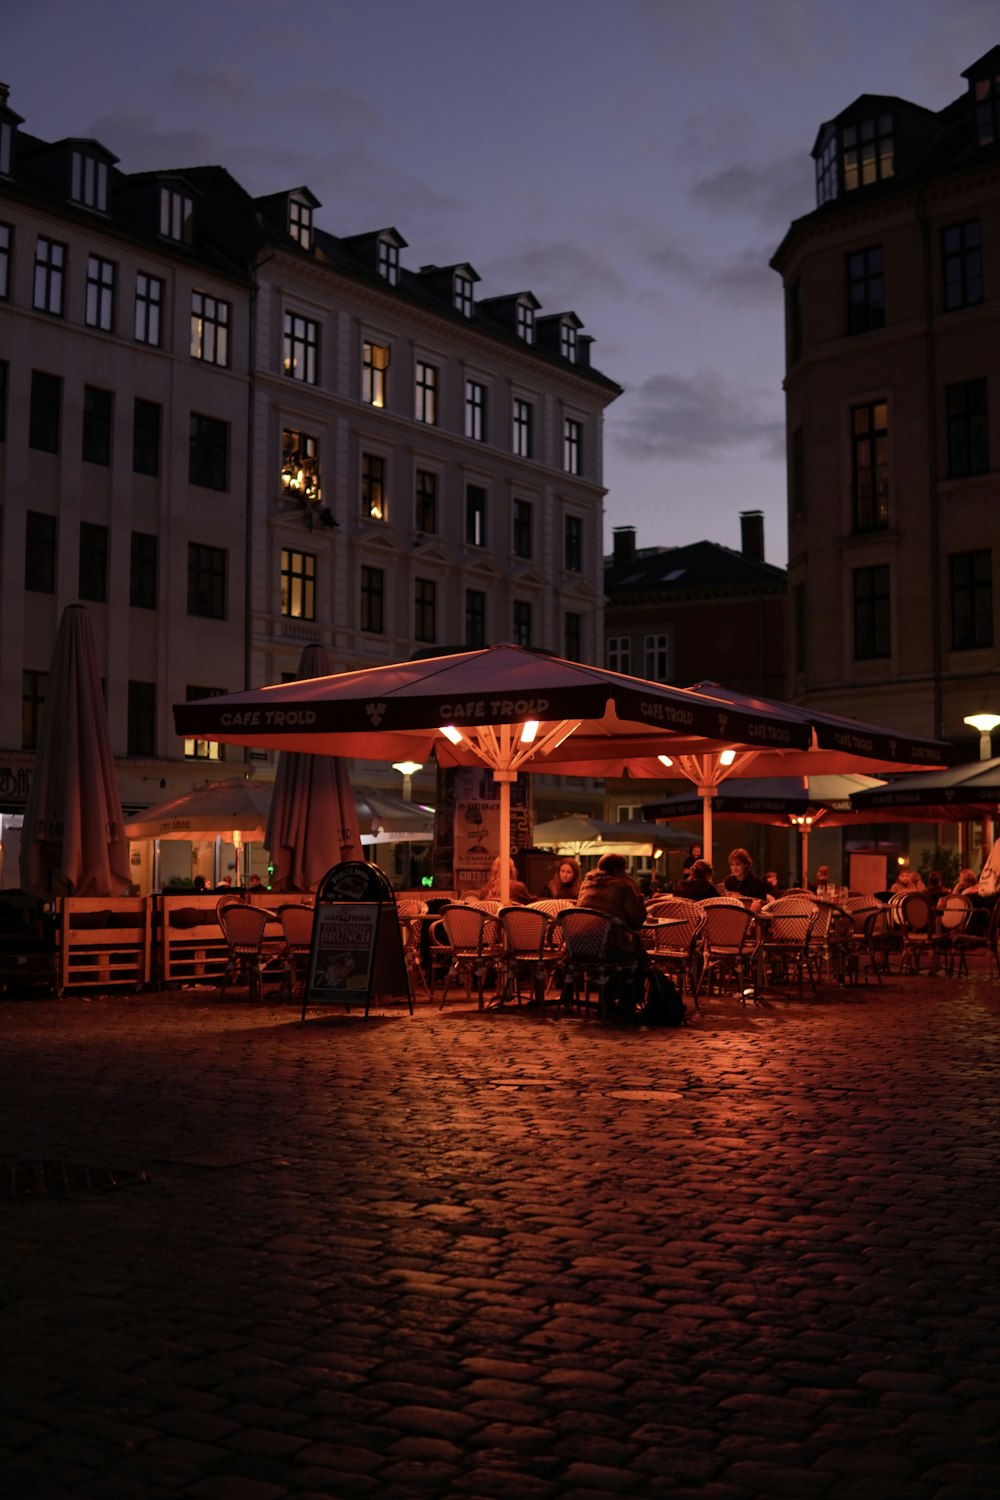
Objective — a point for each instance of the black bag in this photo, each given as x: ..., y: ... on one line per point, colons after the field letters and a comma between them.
x: 664, y: 1006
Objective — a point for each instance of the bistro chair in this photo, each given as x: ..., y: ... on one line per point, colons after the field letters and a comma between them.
x: 527, y: 951
x: 296, y: 931
x: 915, y: 917
x: 475, y: 945
x: 829, y: 942
x: 243, y: 926
x: 787, y: 951
x: 411, y: 915
x: 589, y: 937
x: 674, y: 949
x: 957, y: 935
x: 730, y: 940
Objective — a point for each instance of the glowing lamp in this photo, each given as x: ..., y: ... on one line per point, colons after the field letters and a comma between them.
x: 727, y: 757
x: 528, y: 731
x: 664, y: 760
x: 451, y: 733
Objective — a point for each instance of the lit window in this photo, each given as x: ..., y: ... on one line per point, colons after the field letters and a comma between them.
x: 209, y: 329
x: 388, y: 261
x: 298, y: 584
x: 300, y: 355
x: 100, y: 307
x: 867, y: 152
x: 426, y: 393
x: 300, y: 477
x: 89, y: 181
x: 202, y: 749
x: 300, y: 222
x: 176, y: 214
x: 374, y: 363
x: 373, y: 486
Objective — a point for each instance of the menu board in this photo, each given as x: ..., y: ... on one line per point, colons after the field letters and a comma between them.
x: 357, y: 947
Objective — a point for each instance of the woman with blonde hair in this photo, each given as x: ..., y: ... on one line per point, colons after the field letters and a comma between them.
x: 519, y: 893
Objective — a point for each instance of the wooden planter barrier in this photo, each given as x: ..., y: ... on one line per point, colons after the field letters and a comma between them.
x: 189, y: 943
x: 102, y: 941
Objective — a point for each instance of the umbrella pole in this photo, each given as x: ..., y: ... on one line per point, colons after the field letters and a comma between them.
x: 503, y: 779
x: 706, y: 792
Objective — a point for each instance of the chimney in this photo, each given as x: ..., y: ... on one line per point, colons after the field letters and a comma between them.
x: 624, y: 543
x: 752, y: 534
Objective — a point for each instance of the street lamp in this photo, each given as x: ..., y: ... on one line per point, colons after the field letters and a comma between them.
x: 409, y: 768
x: 985, y: 723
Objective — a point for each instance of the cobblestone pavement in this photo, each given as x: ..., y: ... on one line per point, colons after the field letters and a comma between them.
x: 504, y: 1256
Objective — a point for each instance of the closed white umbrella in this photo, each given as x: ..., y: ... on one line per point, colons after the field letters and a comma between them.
x: 74, y: 838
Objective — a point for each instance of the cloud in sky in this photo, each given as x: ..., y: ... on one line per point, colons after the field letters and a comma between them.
x: 699, y: 416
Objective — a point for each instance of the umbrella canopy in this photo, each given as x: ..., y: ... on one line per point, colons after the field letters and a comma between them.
x: 74, y: 840
x: 577, y: 834
x: 957, y: 793
x: 386, y: 819
x: 505, y: 707
x: 314, y: 822
x: 212, y: 811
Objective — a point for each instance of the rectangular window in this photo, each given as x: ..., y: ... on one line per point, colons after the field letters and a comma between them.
x: 300, y: 355
x: 50, y: 273
x: 373, y: 486
x: 209, y: 329
x: 206, y: 590
x: 148, y: 309
x: 93, y: 576
x: 202, y: 749
x: 475, y: 515
x: 176, y: 215
x: 463, y: 294
x: 968, y: 429
x: 208, y: 453
x: 871, y: 613
x: 300, y: 474
x: 521, y: 623
x: 141, y: 730
x: 988, y: 109
x: 572, y: 446
x: 45, y: 412
x: 96, y: 426
x: 424, y: 609
x: 524, y: 513
x: 298, y: 584
x: 522, y: 428
x: 89, y: 181
x: 300, y: 222
x: 373, y: 600
x: 33, y: 689
x: 475, y: 411
x: 425, y: 407
x: 568, y: 342
x: 865, y: 290
x: 475, y: 619
x: 374, y: 364
x: 6, y: 243
x: 971, y: 600
x: 143, y: 569
x: 962, y: 263
x: 573, y: 636
x: 146, y: 437
x: 573, y: 544
x: 526, y: 322
x: 656, y: 658
x: 870, y: 456
x: 39, y: 552
x: 618, y: 652
x: 100, y: 305
x: 867, y: 151
x: 425, y: 509
x: 799, y: 627
x: 388, y: 261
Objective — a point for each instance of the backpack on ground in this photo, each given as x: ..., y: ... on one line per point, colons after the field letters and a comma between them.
x: 663, y: 1005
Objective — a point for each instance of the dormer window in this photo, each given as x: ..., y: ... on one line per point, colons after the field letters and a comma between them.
x: 526, y: 322
x: 826, y: 168
x: 987, y: 96
x: 6, y: 145
x: 300, y: 222
x: 176, y: 213
x: 867, y: 152
x: 568, y: 342
x: 463, y: 294
x: 388, y: 261
x: 89, y: 181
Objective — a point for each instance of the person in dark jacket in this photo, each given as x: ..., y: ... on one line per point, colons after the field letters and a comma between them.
x: 741, y: 880
x: 697, y: 884
x: 609, y: 887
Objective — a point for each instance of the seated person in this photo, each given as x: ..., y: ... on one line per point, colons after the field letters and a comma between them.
x: 697, y: 884
x: 610, y: 888
x: 773, y: 884
x: 742, y: 882
x: 519, y: 893
x: 565, y: 881
x: 693, y: 854
x: 822, y: 878
x: 966, y: 884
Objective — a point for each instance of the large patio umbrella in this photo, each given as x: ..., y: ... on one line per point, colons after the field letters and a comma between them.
x: 952, y: 795
x: 834, y: 745
x: 506, y: 707
x: 314, y: 822
x: 577, y: 834
x: 74, y: 840
x: 799, y: 802
x: 211, y: 811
